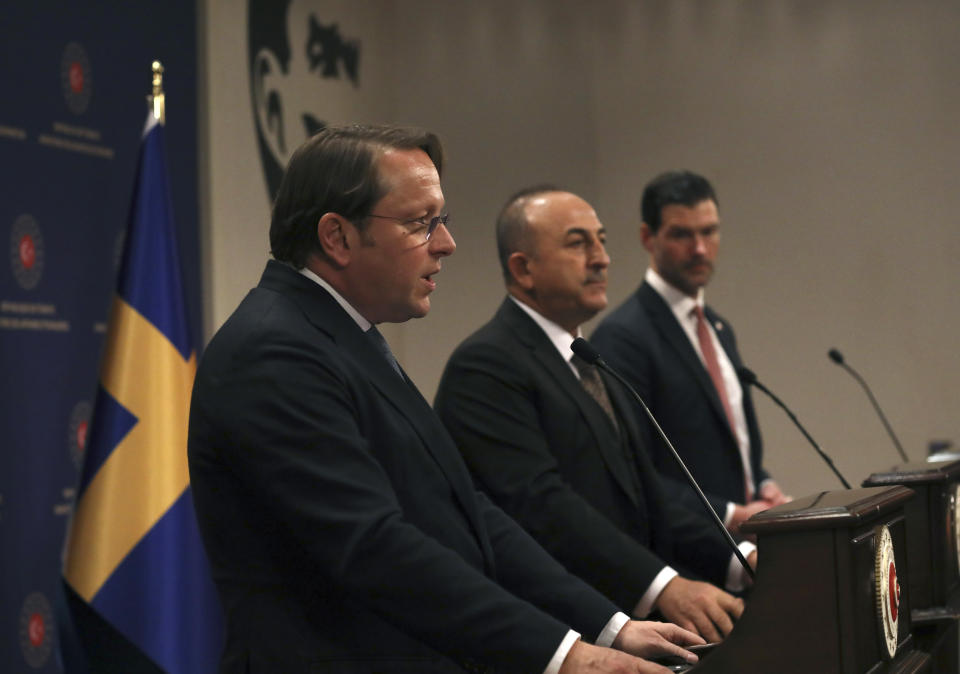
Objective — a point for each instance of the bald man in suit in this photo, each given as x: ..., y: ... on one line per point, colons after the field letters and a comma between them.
x: 571, y: 468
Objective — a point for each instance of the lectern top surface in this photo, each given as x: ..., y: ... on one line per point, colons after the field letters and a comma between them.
x: 917, y: 472
x: 829, y: 509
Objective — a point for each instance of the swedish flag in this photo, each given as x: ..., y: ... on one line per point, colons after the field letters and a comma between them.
x: 134, y: 553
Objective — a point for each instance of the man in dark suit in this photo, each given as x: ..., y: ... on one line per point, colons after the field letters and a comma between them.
x: 571, y: 467
x: 682, y: 357
x: 342, y: 527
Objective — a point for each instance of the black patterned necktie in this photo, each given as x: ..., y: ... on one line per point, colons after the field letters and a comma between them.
x: 384, y: 349
x: 590, y: 378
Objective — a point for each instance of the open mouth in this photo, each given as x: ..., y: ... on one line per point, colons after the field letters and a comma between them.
x: 429, y: 279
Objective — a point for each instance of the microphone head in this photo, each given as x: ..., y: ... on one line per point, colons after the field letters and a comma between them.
x: 835, y: 356
x: 746, y: 375
x: 585, y: 350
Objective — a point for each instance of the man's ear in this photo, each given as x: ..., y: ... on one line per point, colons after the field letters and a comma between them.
x: 646, y: 236
x: 519, y: 265
x: 332, y: 235
x: 268, y: 104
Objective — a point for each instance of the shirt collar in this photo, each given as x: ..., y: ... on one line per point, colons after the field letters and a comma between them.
x: 557, y: 335
x: 354, y: 314
x: 679, y: 302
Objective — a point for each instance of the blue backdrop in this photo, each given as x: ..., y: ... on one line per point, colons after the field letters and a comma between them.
x: 72, y: 86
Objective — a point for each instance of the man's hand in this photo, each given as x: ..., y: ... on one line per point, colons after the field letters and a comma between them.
x: 741, y: 513
x: 699, y: 607
x: 771, y: 493
x: 586, y: 658
x: 649, y: 639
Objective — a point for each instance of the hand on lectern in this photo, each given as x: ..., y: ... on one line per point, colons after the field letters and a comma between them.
x: 770, y: 491
x: 699, y: 607
x: 649, y: 639
x: 741, y: 513
x: 637, y: 638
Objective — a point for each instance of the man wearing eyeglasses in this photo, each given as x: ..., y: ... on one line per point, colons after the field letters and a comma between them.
x: 556, y: 444
x: 682, y: 357
x: 342, y: 527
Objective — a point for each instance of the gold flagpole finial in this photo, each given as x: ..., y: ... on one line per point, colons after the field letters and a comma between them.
x: 156, y: 98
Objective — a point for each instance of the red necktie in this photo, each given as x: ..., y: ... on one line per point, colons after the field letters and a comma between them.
x: 713, y: 367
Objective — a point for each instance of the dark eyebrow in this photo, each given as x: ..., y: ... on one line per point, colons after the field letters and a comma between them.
x: 692, y: 228
x: 580, y: 231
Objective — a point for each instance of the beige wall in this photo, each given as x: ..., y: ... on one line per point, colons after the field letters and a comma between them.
x: 828, y: 129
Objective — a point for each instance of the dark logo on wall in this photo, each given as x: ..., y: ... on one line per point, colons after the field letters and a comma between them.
x: 78, y: 432
x: 26, y: 251
x: 328, y: 52
x: 36, y: 630
x: 76, y: 80
x: 304, y: 75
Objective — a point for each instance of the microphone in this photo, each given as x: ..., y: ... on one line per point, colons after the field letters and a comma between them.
x: 837, y: 358
x: 585, y: 350
x: 749, y: 378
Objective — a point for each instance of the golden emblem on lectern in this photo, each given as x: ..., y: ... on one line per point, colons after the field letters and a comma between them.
x: 954, y: 510
x: 887, y: 590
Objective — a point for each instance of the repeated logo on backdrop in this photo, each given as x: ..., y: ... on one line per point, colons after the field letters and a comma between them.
x: 76, y: 78
x: 36, y: 630
x: 69, y: 135
x: 26, y: 251
x: 78, y: 430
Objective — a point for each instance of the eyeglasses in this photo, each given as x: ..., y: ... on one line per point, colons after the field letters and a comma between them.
x: 424, y: 229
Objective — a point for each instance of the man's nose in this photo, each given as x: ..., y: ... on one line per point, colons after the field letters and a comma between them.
x: 700, y: 243
x: 599, y: 256
x: 441, y: 242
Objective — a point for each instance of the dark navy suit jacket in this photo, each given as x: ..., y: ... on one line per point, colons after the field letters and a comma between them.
x: 546, y: 452
x: 643, y: 341
x: 343, y: 529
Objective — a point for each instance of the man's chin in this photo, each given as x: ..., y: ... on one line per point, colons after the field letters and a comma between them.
x: 594, y: 306
x: 420, y: 309
x: 689, y: 284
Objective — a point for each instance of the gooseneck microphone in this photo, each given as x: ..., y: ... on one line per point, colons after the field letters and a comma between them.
x: 837, y: 358
x: 585, y: 350
x: 748, y: 377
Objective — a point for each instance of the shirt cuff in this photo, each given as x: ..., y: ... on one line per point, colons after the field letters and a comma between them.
x: 612, y: 629
x: 553, y: 667
x: 737, y: 577
x: 729, y: 514
x: 649, y: 598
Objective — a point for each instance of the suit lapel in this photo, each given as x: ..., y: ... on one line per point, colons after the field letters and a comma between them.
x: 724, y: 336
x: 323, y: 312
x: 666, y: 324
x: 545, y: 355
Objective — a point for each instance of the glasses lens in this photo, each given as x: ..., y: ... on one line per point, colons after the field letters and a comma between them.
x: 436, y: 222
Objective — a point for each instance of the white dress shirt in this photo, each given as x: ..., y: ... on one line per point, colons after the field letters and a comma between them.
x: 682, y: 306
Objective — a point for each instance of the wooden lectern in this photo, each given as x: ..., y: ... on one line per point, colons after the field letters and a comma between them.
x: 932, y: 545
x: 827, y: 598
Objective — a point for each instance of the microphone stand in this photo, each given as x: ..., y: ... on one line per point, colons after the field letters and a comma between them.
x: 751, y: 378
x: 837, y: 358
x: 586, y: 351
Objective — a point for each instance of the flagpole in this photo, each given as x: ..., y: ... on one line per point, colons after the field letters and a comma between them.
x: 156, y: 99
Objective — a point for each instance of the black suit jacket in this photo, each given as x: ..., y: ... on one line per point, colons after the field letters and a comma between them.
x: 342, y: 527
x: 643, y: 341
x: 546, y: 452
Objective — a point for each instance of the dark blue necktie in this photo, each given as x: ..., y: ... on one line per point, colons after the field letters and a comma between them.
x: 384, y: 348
